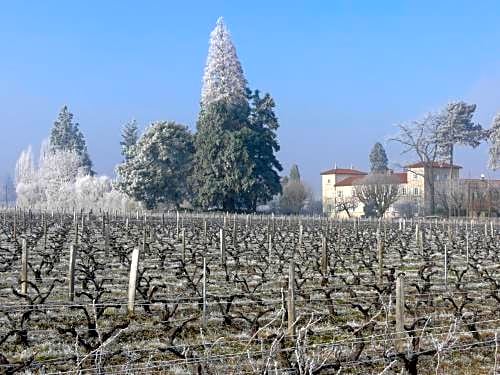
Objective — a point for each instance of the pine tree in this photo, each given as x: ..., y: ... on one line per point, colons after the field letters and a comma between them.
x: 66, y: 136
x: 494, y: 140
x: 378, y: 159
x: 457, y: 128
x: 223, y: 79
x: 158, y: 170
x: 261, y: 142
x: 294, y: 173
x: 235, y: 166
x: 223, y: 168
x: 129, y: 138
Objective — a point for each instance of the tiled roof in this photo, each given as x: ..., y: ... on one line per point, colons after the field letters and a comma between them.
x: 402, y: 177
x: 349, y: 181
x: 435, y: 164
x: 344, y: 171
x: 397, y: 178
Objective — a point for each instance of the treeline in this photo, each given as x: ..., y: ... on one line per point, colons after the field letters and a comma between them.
x: 228, y: 164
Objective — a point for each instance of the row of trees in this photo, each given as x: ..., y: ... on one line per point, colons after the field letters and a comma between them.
x: 63, y: 177
x: 230, y: 162
x: 433, y: 140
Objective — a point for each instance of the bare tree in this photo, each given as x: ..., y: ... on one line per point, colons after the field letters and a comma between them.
x: 452, y: 196
x: 346, y: 204
x: 420, y: 138
x: 378, y: 190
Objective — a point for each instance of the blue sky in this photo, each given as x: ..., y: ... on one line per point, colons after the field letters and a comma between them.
x: 343, y: 73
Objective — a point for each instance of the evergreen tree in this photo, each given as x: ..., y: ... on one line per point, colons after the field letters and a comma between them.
x: 457, y: 128
x: 158, y: 170
x: 223, y: 169
x: 129, y: 138
x: 223, y: 79
x: 235, y: 166
x: 261, y: 142
x: 378, y: 159
x: 66, y: 136
x: 494, y: 140
x: 294, y: 173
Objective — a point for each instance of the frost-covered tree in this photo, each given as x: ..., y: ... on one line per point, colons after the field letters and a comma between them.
x: 90, y: 190
x: 294, y: 173
x: 159, y: 168
x: 378, y: 159
x: 235, y: 165
x: 56, y: 177
x: 130, y: 135
x: 377, y: 192
x: 457, y: 128
x: 25, y: 167
x: 26, y: 182
x: 419, y: 138
x: 293, y: 198
x: 223, y: 79
x: 494, y: 140
x: 66, y: 136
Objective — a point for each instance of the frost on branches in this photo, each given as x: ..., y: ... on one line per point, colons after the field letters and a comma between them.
x: 494, y: 139
x: 26, y: 189
x: 223, y: 78
x: 61, y: 181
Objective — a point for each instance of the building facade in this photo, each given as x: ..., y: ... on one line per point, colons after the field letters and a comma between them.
x: 339, y: 184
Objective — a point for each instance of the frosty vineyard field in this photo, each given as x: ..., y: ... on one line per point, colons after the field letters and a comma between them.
x: 213, y: 294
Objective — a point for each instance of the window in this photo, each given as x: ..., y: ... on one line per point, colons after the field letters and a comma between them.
x: 328, y: 180
x: 415, y: 191
x: 403, y: 191
x: 339, y: 193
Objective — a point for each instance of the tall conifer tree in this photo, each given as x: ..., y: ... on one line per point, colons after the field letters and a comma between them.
x: 66, y: 136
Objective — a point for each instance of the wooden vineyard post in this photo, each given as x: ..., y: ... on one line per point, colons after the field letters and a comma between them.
x: 269, y: 246
x: 133, y: 280
x: 45, y: 234
x: 400, y: 314
x: 324, y: 256
x: 291, y: 299
x: 76, y: 232
x: 177, y: 228
x: 445, y: 267
x: 234, y: 231
x: 380, y: 255
x: 15, y: 226
x: 467, y: 248
x: 301, y: 236
x: 421, y: 241
x: 204, y: 311
x: 71, y: 271
x: 205, y: 231
x: 222, y: 247
x: 24, y: 267
x: 183, y: 244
